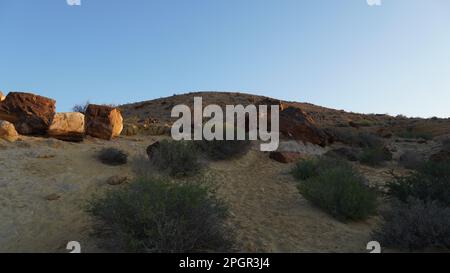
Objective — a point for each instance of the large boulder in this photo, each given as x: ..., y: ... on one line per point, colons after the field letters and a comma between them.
x: 2, y: 97
x: 8, y: 131
x: 296, y: 124
x: 30, y: 114
x: 103, y: 122
x: 68, y: 127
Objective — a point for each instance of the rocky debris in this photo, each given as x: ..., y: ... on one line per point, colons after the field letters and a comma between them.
x: 285, y: 157
x: 8, y: 131
x: 116, y: 180
x: 31, y: 114
x: 68, y: 127
x: 151, y: 149
x: 296, y: 124
x: 53, y: 197
x: 103, y: 122
x: 351, y: 154
x: 2, y: 97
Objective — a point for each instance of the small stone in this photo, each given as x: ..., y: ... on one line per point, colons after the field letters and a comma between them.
x: 53, y: 197
x: 117, y: 180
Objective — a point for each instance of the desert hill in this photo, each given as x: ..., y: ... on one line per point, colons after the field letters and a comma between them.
x: 46, y: 183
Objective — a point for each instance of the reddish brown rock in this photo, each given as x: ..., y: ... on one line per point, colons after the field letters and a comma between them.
x: 103, y: 122
x: 2, y: 97
x: 68, y: 127
x: 285, y: 157
x: 296, y: 124
x: 30, y: 114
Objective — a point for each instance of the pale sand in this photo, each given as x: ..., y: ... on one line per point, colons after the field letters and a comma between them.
x: 266, y: 209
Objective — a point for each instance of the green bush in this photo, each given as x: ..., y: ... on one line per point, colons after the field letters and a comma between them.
x: 112, y: 156
x: 414, y: 134
x: 362, y: 139
x: 305, y: 169
x: 177, y: 158
x: 430, y: 183
x: 336, y: 187
x: 155, y: 215
x: 375, y: 156
x: 224, y: 149
x: 415, y: 225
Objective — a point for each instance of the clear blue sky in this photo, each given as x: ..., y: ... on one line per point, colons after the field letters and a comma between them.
x: 344, y: 54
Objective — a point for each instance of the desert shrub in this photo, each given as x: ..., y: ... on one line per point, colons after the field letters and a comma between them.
x: 446, y: 144
x: 337, y: 188
x: 363, y: 123
x: 369, y: 140
x: 415, y: 225
x: 375, y: 156
x: 224, y: 149
x: 306, y: 169
x: 80, y: 108
x: 177, y: 158
x: 411, y: 133
x: 430, y: 183
x: 112, y: 156
x: 348, y: 153
x: 156, y: 215
x: 411, y: 160
x: 362, y: 139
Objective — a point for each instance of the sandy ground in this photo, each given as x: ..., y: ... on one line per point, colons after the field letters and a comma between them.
x: 266, y: 209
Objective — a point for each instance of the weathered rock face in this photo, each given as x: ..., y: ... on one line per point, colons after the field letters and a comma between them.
x: 8, y: 131
x: 2, y: 97
x: 285, y: 157
x: 103, y: 122
x: 68, y: 127
x: 296, y: 124
x: 31, y: 114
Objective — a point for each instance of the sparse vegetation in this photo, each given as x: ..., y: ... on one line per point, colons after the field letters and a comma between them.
x: 375, y: 156
x: 157, y: 215
x: 415, y: 225
x: 177, y: 158
x: 336, y: 187
x: 362, y: 139
x: 112, y: 156
x: 81, y: 108
x: 412, y: 133
x: 224, y: 149
x: 411, y: 160
x: 430, y: 183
